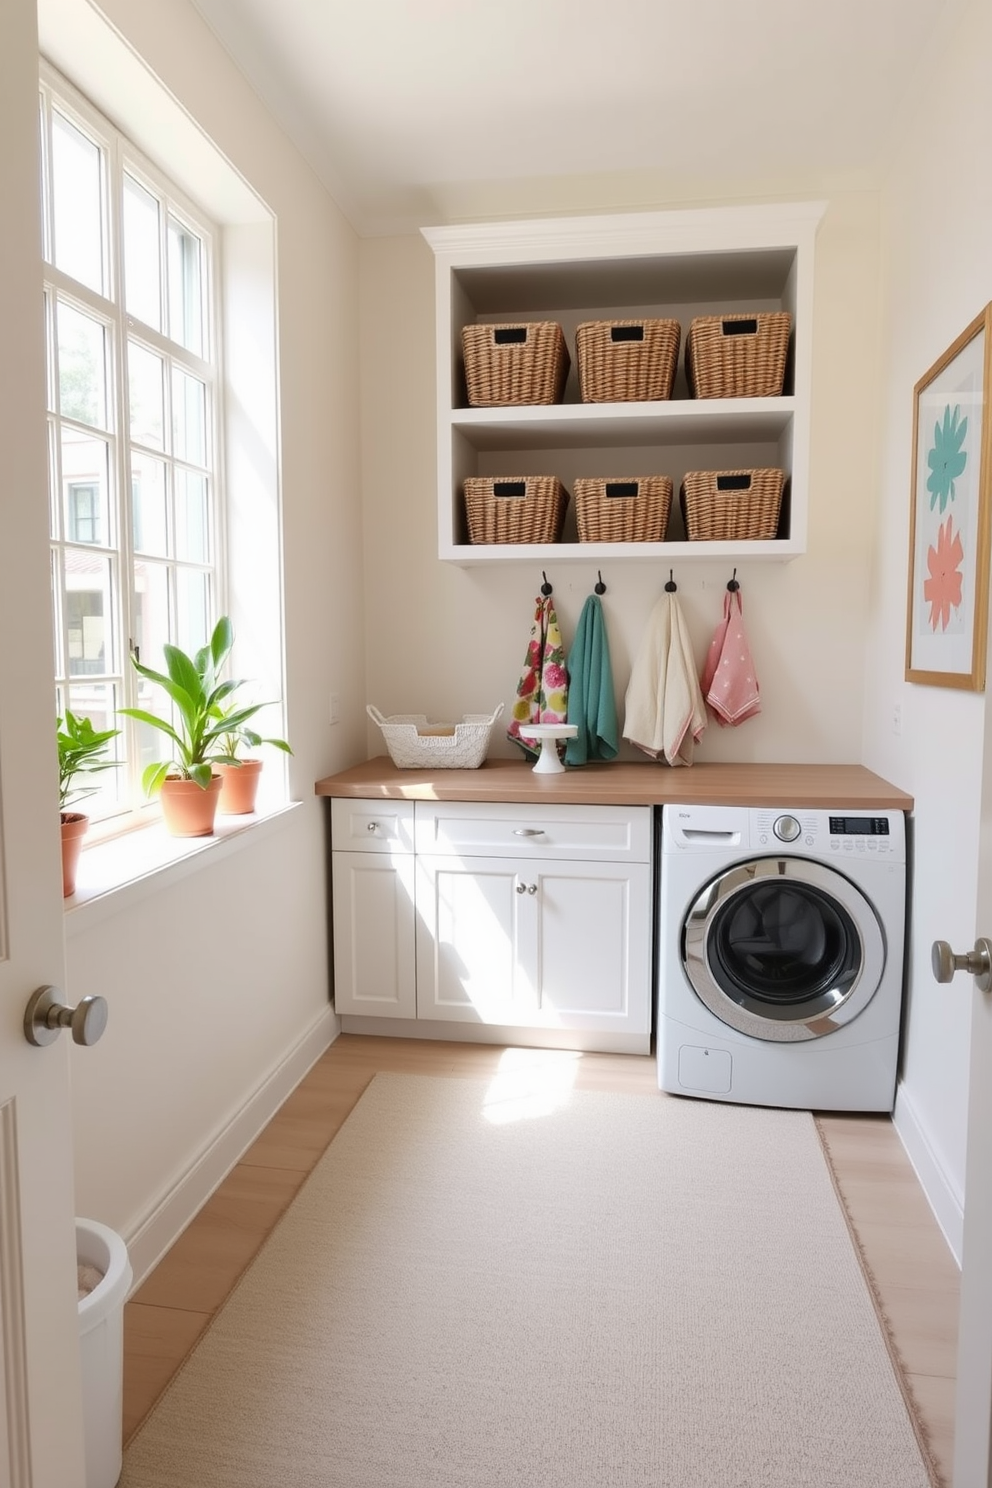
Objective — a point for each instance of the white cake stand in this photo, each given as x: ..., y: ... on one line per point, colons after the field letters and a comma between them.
x: 548, y: 762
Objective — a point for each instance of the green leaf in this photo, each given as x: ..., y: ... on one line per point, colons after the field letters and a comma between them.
x: 222, y: 641
x: 153, y: 776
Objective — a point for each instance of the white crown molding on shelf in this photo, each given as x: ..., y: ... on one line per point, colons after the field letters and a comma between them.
x: 726, y: 228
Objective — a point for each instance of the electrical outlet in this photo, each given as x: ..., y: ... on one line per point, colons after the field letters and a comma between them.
x: 897, y: 718
x: 334, y: 712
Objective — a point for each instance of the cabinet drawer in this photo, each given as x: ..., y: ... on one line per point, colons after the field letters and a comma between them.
x: 371, y: 826
x: 614, y: 834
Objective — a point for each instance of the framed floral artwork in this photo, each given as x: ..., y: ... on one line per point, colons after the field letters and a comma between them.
x: 947, y: 610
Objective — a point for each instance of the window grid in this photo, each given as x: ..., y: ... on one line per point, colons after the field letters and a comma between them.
x: 133, y: 492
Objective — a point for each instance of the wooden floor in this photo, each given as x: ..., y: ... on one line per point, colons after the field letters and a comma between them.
x: 915, y: 1274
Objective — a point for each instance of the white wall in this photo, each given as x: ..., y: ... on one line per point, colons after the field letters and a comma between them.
x: 447, y: 640
x: 937, y: 275
x: 218, y: 978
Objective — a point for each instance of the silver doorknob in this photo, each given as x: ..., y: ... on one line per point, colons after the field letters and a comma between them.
x: 978, y: 962
x: 45, y: 1017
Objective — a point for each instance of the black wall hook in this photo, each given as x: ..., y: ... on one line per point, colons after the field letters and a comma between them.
x: 599, y: 586
x: 546, y: 588
x: 732, y: 584
x: 671, y: 587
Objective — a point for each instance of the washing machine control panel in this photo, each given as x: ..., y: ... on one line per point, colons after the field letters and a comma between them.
x: 865, y: 836
x: 829, y: 834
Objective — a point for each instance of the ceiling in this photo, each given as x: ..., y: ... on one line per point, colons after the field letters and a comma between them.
x: 424, y: 111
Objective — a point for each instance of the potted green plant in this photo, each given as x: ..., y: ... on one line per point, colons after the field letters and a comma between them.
x: 239, y: 770
x: 81, y: 750
x: 189, y: 782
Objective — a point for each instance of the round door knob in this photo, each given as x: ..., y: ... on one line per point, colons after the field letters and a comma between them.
x: 45, y: 1017
x: 978, y: 962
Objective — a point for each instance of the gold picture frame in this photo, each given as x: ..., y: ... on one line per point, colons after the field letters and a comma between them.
x: 948, y: 595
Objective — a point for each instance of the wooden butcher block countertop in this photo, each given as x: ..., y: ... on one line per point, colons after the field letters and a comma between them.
x: 825, y: 786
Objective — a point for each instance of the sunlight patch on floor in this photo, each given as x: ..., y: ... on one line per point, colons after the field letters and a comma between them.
x: 530, y: 1083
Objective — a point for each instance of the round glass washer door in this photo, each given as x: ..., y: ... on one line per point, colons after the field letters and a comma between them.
x: 783, y: 949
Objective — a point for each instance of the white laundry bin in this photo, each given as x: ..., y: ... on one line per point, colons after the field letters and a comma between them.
x: 101, y: 1347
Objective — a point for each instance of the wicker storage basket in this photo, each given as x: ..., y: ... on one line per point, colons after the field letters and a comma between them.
x: 737, y: 356
x: 515, y: 509
x: 515, y: 364
x: 732, y: 505
x: 623, y: 510
x: 625, y: 361
x: 414, y: 743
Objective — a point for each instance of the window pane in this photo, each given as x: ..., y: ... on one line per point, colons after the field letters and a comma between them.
x: 98, y: 701
x: 85, y: 485
x: 88, y: 613
x: 150, y: 533
x: 142, y: 265
x: 191, y: 516
x: 151, y: 589
x: 189, y: 418
x: 82, y: 367
x: 151, y: 619
x: 146, y: 391
x: 185, y: 287
x: 192, y: 609
x: 55, y: 569
x: 77, y: 199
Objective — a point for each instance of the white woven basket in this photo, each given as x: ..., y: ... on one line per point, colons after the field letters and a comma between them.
x: 415, y: 743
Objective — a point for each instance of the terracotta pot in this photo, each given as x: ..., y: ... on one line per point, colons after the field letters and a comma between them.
x: 74, y: 826
x: 240, y: 789
x: 188, y: 809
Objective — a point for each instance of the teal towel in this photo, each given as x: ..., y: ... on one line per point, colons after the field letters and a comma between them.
x: 591, y: 704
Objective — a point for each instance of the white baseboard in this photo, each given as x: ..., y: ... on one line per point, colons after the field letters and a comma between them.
x: 946, y: 1203
x: 154, y: 1235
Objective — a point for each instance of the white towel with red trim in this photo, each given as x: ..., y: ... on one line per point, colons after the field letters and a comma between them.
x: 664, y: 710
x: 729, y: 682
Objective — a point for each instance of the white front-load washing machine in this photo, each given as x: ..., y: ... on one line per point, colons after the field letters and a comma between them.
x: 780, y: 955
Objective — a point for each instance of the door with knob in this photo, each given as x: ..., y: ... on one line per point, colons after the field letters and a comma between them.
x: 973, y: 1397
x: 41, y: 1418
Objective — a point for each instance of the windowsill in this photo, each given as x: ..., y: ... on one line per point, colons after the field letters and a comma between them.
x: 114, y: 874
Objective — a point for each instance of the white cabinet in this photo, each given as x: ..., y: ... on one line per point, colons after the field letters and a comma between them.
x: 372, y: 903
x: 534, y: 921
x: 660, y: 264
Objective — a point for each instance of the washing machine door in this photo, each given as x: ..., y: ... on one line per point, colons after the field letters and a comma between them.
x: 783, y: 949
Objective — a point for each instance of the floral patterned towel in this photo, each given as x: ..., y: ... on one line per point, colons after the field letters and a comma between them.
x: 542, y: 692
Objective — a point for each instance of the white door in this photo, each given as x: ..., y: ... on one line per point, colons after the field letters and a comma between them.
x: 374, y: 944
x: 973, y: 1421
x: 475, y: 941
x: 594, y: 945
x: 40, y: 1395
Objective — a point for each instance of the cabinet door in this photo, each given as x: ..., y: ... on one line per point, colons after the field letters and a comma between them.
x: 550, y: 945
x: 474, y: 941
x: 373, y: 916
x: 593, y: 945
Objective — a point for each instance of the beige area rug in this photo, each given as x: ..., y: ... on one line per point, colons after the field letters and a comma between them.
x: 477, y: 1289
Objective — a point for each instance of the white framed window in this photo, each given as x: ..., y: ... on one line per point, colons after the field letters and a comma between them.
x: 132, y: 291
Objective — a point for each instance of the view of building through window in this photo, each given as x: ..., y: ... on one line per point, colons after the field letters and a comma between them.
x: 133, y: 414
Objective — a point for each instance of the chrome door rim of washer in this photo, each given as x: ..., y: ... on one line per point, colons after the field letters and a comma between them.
x: 832, y: 1009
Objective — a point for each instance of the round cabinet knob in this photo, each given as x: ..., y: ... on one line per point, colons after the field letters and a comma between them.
x: 786, y: 829
x: 45, y: 1017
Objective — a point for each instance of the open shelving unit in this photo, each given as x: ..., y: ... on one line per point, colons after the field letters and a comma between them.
x: 679, y: 264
